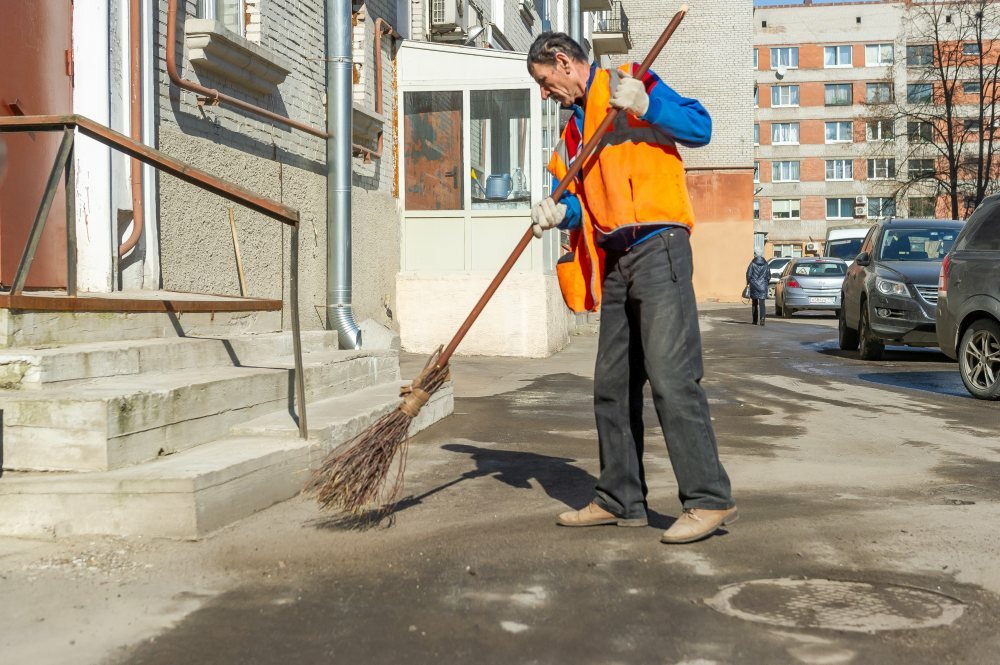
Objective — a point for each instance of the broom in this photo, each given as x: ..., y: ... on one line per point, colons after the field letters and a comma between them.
x: 353, y: 476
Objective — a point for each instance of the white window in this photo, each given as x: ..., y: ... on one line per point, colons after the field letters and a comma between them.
x: 837, y: 56
x: 785, y: 171
x: 881, y: 207
x: 840, y: 208
x: 756, y: 133
x: 755, y: 58
x: 230, y: 13
x: 756, y: 97
x: 756, y: 209
x: 840, y: 169
x: 786, y: 133
x: 785, y: 209
x: 785, y: 56
x: 787, y: 251
x: 839, y: 131
x: 879, y: 130
x: 878, y: 55
x: 785, y: 95
x: 970, y: 48
x: 756, y: 171
x: 881, y: 169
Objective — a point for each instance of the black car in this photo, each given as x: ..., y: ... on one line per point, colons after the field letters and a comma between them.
x: 968, y: 308
x: 890, y: 292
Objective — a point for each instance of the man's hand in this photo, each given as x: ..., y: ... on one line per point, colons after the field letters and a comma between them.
x: 631, y: 95
x: 547, y: 214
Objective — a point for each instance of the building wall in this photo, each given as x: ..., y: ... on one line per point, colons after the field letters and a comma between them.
x: 853, y: 24
x: 699, y: 62
x: 275, y: 161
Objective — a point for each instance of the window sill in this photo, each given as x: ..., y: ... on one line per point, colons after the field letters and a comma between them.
x: 366, y: 126
x: 214, y: 49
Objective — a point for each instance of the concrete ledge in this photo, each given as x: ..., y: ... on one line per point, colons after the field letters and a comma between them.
x: 193, y: 493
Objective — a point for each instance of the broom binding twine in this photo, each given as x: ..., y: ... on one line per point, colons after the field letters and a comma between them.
x: 413, y: 400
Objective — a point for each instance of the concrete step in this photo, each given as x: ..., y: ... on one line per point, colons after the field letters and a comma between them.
x: 115, y: 422
x: 194, y: 492
x: 35, y: 368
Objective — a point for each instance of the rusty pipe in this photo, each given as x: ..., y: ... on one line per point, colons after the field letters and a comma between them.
x: 381, y: 26
x: 135, y: 120
x: 368, y: 153
x: 214, y: 96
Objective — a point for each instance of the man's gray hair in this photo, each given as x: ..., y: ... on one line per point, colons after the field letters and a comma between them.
x: 545, y: 47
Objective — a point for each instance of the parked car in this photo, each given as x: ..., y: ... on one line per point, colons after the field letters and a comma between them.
x: 844, y: 242
x: 775, y: 265
x: 890, y: 293
x: 809, y: 283
x: 968, y: 307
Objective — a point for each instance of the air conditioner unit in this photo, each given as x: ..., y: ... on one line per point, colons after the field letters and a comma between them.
x: 811, y: 247
x: 859, y: 200
x: 861, y: 211
x: 449, y: 15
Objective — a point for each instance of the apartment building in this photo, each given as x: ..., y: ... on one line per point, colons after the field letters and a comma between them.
x: 821, y: 159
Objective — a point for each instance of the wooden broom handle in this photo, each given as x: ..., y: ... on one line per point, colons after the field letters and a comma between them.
x: 574, y: 169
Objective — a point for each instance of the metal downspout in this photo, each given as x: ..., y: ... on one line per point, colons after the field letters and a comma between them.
x: 339, y: 80
x: 575, y: 22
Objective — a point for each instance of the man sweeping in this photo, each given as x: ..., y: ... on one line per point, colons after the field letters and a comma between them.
x: 630, y: 219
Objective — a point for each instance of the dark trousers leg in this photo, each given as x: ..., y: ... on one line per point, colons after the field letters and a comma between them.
x: 649, y: 288
x: 759, y: 310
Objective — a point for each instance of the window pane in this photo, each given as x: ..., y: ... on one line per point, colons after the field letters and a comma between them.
x: 920, y: 55
x: 970, y: 48
x: 971, y: 87
x: 432, y: 124
x: 499, y: 138
x: 921, y: 206
x: 919, y: 93
x: 878, y: 93
x: 878, y: 54
x: 986, y: 232
x: 838, y: 94
x: 881, y: 207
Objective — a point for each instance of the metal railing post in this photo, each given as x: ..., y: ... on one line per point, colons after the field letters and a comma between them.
x: 71, y: 219
x: 65, y: 148
x: 293, y: 296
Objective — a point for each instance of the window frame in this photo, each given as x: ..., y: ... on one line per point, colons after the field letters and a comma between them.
x: 879, y: 47
x: 845, y: 162
x: 798, y: 206
x: 879, y: 86
x: 840, y: 124
x: 837, y: 48
x: 827, y: 87
x: 880, y: 123
x: 208, y: 9
x: 912, y: 213
x: 919, y: 134
x: 881, y: 208
x: 977, y: 91
x: 776, y: 125
x: 840, y: 203
x: 912, y: 49
x: 756, y: 171
x: 922, y: 172
x: 778, y: 168
x: 775, y: 62
x: 976, y: 50
x: 791, y: 87
x: 911, y: 97
x: 888, y: 166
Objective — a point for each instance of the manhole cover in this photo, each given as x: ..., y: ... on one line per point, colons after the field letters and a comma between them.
x: 854, y: 606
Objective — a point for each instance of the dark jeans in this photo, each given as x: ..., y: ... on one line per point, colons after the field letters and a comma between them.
x: 649, y: 332
x: 759, y: 309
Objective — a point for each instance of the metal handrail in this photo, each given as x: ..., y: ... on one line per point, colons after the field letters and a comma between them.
x: 65, y: 165
x: 615, y: 20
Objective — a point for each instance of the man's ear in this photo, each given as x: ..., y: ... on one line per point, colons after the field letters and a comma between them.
x: 563, y: 62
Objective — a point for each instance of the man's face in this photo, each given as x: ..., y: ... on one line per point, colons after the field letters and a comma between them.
x: 565, y: 81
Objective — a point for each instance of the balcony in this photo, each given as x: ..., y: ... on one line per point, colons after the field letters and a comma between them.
x: 595, y: 5
x: 611, y: 34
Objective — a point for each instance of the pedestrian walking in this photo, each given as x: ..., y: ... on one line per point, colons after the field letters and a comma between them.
x: 758, y: 276
x: 630, y: 218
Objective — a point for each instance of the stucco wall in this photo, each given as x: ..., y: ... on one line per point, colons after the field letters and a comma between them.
x: 283, y: 164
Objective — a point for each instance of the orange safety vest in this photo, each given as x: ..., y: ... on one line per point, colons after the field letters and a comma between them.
x: 636, y: 180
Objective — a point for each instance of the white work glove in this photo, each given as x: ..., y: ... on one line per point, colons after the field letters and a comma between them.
x: 630, y: 95
x: 547, y: 214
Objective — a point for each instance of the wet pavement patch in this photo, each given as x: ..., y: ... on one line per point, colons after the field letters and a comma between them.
x: 836, y: 605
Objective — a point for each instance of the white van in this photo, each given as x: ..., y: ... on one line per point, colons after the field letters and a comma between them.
x: 844, y: 242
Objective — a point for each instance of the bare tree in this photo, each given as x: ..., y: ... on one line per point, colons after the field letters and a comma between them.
x: 949, y: 108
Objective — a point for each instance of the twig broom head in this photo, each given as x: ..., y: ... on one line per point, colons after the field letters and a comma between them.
x: 353, y: 476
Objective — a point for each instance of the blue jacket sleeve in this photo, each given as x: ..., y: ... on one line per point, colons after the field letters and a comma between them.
x: 684, y: 119
x: 574, y: 212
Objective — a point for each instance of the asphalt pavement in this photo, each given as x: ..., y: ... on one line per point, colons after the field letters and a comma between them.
x: 869, y: 496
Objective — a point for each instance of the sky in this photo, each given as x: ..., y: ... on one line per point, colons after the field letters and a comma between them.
x: 765, y: 3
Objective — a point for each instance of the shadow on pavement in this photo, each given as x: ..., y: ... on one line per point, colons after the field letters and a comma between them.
x: 555, y: 475
x: 940, y: 383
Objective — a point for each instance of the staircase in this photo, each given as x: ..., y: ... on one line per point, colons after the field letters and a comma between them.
x: 174, y: 435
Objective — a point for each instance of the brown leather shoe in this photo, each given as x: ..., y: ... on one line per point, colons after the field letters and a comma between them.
x: 594, y: 515
x: 697, y: 523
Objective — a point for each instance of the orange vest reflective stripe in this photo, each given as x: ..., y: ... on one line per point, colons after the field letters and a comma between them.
x: 637, y: 179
